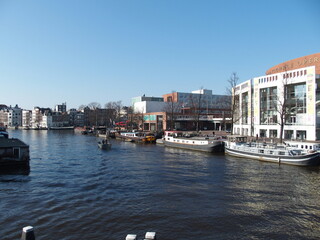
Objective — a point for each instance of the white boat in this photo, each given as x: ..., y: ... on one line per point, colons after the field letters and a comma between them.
x: 137, y: 137
x: 282, y: 154
x: 303, y: 145
x: 205, y: 144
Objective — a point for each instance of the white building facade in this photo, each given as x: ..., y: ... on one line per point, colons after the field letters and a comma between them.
x: 292, y: 96
x: 145, y: 104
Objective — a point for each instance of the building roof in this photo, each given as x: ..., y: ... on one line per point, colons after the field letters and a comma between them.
x: 11, y: 142
x: 301, y: 62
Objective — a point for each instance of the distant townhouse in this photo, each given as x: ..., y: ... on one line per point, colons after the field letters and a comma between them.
x: 26, y: 118
x: 11, y: 116
x: 76, y: 118
x: 41, y: 118
x: 288, y: 93
x: 62, y: 108
x: 4, y: 116
x: 98, y: 117
x: 60, y: 119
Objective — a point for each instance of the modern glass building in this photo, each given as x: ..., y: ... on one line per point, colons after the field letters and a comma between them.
x: 286, y: 99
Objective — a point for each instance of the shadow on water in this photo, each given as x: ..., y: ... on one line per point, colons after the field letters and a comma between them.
x: 18, y: 171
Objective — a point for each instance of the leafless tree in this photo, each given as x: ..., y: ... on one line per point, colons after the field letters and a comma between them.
x: 235, y: 101
x: 283, y: 106
x: 81, y: 107
x: 129, y: 122
x: 94, y: 105
x: 197, y: 104
x: 172, y: 109
x: 116, y: 106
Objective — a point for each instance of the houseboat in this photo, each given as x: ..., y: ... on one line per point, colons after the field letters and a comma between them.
x: 303, y: 145
x: 3, y: 132
x: 178, y: 139
x: 238, y: 146
x: 14, y: 154
x: 140, y: 137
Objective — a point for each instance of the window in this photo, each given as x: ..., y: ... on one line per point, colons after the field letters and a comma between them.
x: 244, y: 108
x: 273, y: 133
x: 288, y: 134
x: 305, y: 72
x: 268, y: 106
x: 301, y: 135
x: 16, y: 152
x: 296, y: 101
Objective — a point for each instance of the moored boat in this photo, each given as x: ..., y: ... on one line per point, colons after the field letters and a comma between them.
x: 3, y: 132
x: 238, y: 146
x: 141, y: 137
x: 14, y: 154
x: 176, y: 139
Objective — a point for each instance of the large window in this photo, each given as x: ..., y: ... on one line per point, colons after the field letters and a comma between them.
x: 244, y: 108
x: 236, y: 108
x: 268, y: 106
x: 302, y: 135
x: 288, y: 134
x: 296, y: 101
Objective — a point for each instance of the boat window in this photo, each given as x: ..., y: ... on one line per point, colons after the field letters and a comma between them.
x: 271, y: 152
x: 281, y: 153
x: 306, y: 146
x: 16, y: 152
x: 261, y: 151
x: 310, y: 147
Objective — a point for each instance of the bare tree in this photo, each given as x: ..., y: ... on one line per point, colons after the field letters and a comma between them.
x: 197, y: 104
x: 94, y: 105
x: 283, y: 103
x: 171, y: 109
x: 116, y: 107
x: 81, y: 107
x: 235, y: 101
x: 129, y: 122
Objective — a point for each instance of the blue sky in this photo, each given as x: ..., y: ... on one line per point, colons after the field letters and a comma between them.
x: 80, y: 52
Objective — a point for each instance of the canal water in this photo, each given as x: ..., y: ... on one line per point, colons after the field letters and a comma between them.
x: 77, y: 191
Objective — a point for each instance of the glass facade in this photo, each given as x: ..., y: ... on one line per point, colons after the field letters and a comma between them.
x: 268, y: 106
x: 296, y: 102
x: 244, y: 108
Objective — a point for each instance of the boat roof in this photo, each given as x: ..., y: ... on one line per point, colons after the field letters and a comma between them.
x: 11, y: 142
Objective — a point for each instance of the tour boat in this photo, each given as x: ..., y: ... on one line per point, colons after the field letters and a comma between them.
x: 178, y: 139
x: 239, y: 147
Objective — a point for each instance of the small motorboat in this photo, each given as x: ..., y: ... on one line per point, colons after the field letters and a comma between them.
x: 104, y: 144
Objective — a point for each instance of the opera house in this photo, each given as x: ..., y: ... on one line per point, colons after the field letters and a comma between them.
x: 286, y: 98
